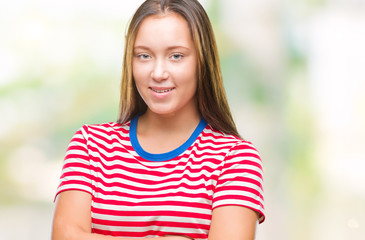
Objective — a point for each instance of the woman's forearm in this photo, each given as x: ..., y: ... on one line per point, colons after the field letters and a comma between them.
x: 101, y: 237
x: 79, y: 235
x: 72, y: 217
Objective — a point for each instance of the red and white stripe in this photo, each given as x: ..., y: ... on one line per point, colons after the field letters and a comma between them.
x: 133, y: 197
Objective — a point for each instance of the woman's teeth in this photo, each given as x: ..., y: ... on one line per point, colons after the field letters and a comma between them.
x: 161, y: 91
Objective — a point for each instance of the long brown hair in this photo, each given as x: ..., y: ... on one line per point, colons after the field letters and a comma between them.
x: 211, y: 97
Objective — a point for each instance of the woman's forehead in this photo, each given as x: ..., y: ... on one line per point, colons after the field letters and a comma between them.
x: 169, y: 30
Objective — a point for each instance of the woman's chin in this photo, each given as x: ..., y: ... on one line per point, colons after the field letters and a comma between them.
x: 163, y: 111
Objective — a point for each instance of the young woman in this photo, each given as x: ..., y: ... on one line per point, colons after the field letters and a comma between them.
x: 173, y: 166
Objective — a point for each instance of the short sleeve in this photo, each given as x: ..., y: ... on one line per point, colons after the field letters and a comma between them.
x: 241, y: 180
x: 76, y: 171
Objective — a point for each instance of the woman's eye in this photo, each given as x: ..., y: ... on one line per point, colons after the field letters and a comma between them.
x: 143, y: 56
x: 176, y: 56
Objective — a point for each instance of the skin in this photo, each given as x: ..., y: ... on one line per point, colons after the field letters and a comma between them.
x: 72, y: 219
x: 165, y: 70
x: 168, y: 62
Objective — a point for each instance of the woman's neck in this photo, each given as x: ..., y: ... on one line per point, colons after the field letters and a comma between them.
x: 168, y: 123
x: 163, y: 133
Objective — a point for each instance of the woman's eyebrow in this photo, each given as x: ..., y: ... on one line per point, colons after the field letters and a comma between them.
x: 168, y: 48
x: 177, y: 46
x: 141, y: 47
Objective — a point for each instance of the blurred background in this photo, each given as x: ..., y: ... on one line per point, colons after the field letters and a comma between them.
x: 294, y: 73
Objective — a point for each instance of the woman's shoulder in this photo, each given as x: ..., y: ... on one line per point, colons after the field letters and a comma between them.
x: 106, y: 128
x: 219, y: 138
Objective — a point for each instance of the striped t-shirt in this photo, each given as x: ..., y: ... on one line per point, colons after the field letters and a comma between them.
x: 137, y: 194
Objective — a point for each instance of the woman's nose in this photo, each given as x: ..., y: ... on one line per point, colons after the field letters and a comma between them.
x: 159, y: 71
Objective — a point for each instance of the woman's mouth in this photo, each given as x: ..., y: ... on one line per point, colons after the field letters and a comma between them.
x: 161, y: 90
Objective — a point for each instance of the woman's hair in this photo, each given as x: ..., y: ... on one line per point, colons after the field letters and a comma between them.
x: 211, y: 97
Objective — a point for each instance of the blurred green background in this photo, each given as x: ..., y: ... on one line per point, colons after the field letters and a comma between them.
x: 295, y: 78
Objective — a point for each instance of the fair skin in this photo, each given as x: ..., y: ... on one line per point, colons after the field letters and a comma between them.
x: 164, y: 69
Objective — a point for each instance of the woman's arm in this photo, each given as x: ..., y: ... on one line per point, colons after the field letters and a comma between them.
x: 72, y: 219
x: 233, y: 223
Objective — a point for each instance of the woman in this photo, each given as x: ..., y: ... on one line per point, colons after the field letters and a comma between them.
x: 173, y: 166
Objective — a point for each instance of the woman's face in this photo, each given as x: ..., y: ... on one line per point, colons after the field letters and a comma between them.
x: 165, y: 65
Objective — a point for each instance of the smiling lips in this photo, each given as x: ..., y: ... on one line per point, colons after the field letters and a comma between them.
x: 161, y: 90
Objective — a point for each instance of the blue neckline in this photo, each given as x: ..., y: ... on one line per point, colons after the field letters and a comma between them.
x: 159, y: 157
